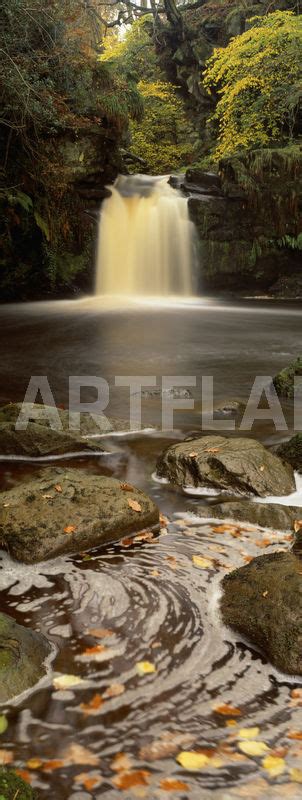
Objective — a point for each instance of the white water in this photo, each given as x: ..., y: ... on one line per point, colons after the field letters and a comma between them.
x: 145, y: 245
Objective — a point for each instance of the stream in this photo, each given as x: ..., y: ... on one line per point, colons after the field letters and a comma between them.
x: 146, y: 599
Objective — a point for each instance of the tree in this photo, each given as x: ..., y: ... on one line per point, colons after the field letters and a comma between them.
x: 257, y: 78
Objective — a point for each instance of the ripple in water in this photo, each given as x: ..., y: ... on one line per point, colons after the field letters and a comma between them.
x: 158, y: 607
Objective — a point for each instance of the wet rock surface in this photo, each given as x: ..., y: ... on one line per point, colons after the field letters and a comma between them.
x: 22, y: 656
x: 239, y: 465
x: 264, y: 515
x: 69, y: 511
x: 263, y: 602
x: 40, y: 438
x: 284, y: 382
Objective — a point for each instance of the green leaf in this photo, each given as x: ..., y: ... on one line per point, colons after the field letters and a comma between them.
x: 42, y: 224
x: 3, y: 723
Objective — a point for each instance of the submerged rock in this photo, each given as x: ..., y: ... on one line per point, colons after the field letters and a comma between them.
x: 40, y: 439
x: 22, y: 656
x: 68, y: 511
x: 284, y: 381
x: 264, y: 515
x: 291, y: 452
x: 240, y: 465
x: 263, y: 602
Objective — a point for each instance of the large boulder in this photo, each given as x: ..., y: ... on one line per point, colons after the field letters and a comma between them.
x: 40, y: 439
x: 264, y: 515
x: 68, y: 511
x: 284, y: 381
x: 239, y: 466
x: 263, y: 602
x: 22, y: 658
x: 291, y: 452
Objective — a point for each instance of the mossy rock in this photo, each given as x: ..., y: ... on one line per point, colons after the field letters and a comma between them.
x: 291, y: 452
x: 284, y: 382
x: 13, y: 787
x: 275, y: 516
x: 22, y: 658
x: 263, y: 602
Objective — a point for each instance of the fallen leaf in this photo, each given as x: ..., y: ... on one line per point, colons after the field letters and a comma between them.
x: 262, y: 468
x: 126, y: 487
x: 296, y: 774
x: 93, y: 705
x: 134, y: 505
x: 77, y: 754
x: 127, y: 780
x: 145, y: 667
x: 294, y: 735
x: 248, y: 733
x: 227, y: 711
x: 193, y: 454
x: 253, y: 748
x: 55, y: 763
x: 274, y: 765
x: 95, y: 650
x: 66, y: 681
x: 127, y: 541
x: 6, y: 757
x: 173, y: 563
x: 58, y: 488
x: 47, y: 496
x: 202, y: 563
x: 167, y: 745
x: 100, y: 633
x: 69, y: 529
x: 121, y: 763
x: 34, y: 763
x: 163, y: 520
x: 264, y: 594
x: 297, y: 525
x: 263, y: 542
x: 192, y: 761
x: 114, y: 690
x: 24, y: 774
x: 88, y: 781
x: 172, y: 785
x: 144, y: 536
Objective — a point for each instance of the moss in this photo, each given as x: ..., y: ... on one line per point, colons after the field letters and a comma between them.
x: 284, y: 382
x: 13, y: 787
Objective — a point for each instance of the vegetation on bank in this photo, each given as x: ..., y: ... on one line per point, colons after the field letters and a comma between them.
x: 180, y: 84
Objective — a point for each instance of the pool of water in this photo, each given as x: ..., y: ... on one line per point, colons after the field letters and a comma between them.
x: 150, y: 601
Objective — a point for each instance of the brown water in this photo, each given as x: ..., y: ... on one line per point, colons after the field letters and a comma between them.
x: 157, y: 605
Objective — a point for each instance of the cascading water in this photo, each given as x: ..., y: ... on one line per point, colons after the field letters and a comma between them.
x: 146, y: 240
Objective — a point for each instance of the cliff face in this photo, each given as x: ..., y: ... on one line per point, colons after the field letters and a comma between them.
x: 249, y: 220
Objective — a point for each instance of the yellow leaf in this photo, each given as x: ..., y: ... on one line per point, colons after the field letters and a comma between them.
x: 248, y: 733
x: 65, y: 681
x: 145, y: 667
x: 202, y: 563
x: 274, y: 765
x: 192, y: 761
x: 253, y: 748
x: 34, y: 763
x: 296, y: 774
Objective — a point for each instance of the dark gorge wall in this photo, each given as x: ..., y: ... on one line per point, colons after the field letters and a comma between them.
x: 249, y: 222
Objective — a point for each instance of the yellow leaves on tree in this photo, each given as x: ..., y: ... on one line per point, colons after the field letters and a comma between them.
x: 258, y: 81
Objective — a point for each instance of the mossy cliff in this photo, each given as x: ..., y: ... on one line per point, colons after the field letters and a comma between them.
x: 250, y: 227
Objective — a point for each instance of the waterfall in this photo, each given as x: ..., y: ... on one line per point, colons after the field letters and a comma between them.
x: 145, y: 244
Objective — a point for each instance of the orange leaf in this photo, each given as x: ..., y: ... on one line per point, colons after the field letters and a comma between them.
x: 97, y: 648
x: 297, y: 525
x: 6, y: 757
x: 99, y: 633
x: 228, y: 711
x: 127, y: 780
x: 126, y: 487
x: 127, y: 541
x: 69, y: 529
x: 24, y: 774
x: 134, y: 505
x: 48, y: 766
x: 171, y: 785
x: 88, y: 782
x: 93, y: 705
x: 114, y: 690
x: 58, y: 488
x: 294, y: 735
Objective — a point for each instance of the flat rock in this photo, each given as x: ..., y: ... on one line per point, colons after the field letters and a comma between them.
x: 40, y: 439
x: 22, y: 656
x: 69, y: 511
x: 263, y: 602
x: 264, y: 515
x: 284, y: 380
x: 237, y: 465
x: 291, y: 452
